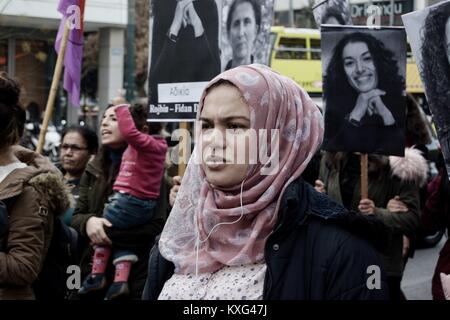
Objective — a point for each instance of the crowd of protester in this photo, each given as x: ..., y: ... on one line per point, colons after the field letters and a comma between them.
x: 222, y: 231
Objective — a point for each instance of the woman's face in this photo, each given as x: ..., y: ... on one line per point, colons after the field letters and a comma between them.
x: 359, y: 67
x: 447, y: 38
x: 243, y: 31
x: 74, y: 154
x: 110, y: 133
x: 225, y: 122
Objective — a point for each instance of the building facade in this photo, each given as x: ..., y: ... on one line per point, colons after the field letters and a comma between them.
x: 27, y: 33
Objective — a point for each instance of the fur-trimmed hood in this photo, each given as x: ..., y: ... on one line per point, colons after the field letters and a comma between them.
x: 412, y: 167
x: 43, y: 176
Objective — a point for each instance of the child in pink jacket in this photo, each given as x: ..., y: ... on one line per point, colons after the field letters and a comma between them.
x: 136, y: 192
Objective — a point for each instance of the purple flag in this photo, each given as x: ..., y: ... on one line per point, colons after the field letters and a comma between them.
x: 73, y: 11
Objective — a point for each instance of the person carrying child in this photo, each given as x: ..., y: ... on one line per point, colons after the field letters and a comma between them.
x: 136, y: 192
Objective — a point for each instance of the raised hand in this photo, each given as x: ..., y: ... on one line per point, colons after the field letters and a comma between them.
x: 180, y: 14
x: 194, y: 20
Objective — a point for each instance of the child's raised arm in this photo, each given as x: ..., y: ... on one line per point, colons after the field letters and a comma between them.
x: 139, y: 140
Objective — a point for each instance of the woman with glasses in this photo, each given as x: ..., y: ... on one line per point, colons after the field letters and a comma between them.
x: 78, y: 145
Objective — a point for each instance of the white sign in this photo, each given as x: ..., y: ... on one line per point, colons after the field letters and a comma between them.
x: 181, y: 91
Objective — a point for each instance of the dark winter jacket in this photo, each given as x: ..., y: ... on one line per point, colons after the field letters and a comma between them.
x: 34, y: 196
x: 313, y: 253
x: 382, y: 187
x: 139, y: 239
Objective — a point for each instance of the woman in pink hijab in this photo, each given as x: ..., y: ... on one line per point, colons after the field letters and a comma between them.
x: 244, y: 225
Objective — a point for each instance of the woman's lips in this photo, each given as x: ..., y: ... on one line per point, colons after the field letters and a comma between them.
x: 105, y: 133
x: 363, y: 79
x: 215, y: 162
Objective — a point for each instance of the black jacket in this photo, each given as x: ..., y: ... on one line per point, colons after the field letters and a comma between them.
x: 314, y: 253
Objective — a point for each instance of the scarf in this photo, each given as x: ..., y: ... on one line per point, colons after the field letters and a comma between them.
x: 209, y: 228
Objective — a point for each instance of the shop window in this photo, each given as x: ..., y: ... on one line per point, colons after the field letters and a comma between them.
x: 31, y: 69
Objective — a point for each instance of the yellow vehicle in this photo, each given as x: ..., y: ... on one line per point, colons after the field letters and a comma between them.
x: 296, y: 53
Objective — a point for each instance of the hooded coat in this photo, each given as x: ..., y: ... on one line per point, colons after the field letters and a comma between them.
x: 34, y: 196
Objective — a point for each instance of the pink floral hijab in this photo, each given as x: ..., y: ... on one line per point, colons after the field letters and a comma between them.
x: 208, y: 228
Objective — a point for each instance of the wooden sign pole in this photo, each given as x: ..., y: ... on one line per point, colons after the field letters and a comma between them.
x: 364, y: 177
x: 53, y: 89
x: 183, y: 148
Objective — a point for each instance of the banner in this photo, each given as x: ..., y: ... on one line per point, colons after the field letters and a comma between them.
x: 184, y: 56
x: 429, y: 31
x: 364, y: 89
x: 193, y: 41
x: 245, y: 37
x: 73, y: 11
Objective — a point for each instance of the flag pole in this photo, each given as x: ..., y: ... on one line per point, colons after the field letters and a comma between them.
x: 53, y: 89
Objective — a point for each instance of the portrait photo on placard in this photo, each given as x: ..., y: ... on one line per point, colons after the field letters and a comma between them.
x: 184, y: 54
x: 429, y: 34
x: 335, y: 12
x: 245, y: 36
x: 364, y: 89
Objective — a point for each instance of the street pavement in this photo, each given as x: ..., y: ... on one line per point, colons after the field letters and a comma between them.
x: 416, y: 284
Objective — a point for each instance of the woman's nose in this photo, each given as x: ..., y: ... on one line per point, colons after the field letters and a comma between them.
x: 216, y: 138
x: 359, y: 66
x: 241, y: 29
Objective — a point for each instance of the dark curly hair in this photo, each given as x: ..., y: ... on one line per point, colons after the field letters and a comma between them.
x: 338, y: 89
x: 417, y: 132
x: 256, y: 9
x: 435, y: 65
x: 12, y: 115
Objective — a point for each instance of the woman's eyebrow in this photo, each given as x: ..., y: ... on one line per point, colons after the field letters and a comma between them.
x: 237, y: 118
x: 245, y: 118
x: 205, y: 119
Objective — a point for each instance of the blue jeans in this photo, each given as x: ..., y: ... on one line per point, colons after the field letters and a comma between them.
x: 126, y: 211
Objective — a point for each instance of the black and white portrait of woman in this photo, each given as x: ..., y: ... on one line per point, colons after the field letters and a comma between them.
x: 364, y: 90
x: 185, y: 43
x: 429, y: 33
x: 245, y: 38
x: 336, y: 12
